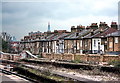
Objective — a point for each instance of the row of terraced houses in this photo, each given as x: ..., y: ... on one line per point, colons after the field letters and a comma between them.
x: 96, y: 39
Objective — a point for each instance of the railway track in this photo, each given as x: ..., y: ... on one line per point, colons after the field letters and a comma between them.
x: 115, y: 70
x: 62, y: 74
x: 27, y: 63
x: 21, y: 76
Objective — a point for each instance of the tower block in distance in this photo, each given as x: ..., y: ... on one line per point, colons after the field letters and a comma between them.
x: 48, y: 27
x: 48, y: 31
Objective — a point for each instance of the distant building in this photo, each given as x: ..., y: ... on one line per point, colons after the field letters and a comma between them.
x: 48, y: 31
x: 13, y: 38
x: 48, y: 27
x: 5, y: 36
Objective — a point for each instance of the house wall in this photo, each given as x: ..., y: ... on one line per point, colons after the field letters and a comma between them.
x: 70, y: 46
x: 74, y: 46
x: 40, y: 47
x: 21, y: 46
x: 44, y: 46
x: 86, y: 45
x: 65, y: 46
x: 37, y: 45
x: 32, y: 47
x: 112, y: 44
x: 117, y: 44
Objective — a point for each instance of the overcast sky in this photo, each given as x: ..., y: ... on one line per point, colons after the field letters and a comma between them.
x: 20, y: 18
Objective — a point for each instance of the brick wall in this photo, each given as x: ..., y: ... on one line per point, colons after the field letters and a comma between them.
x: 83, y: 57
x: 5, y: 56
x: 10, y: 57
x: 16, y: 57
x: 69, y: 56
x: 44, y: 55
x: 107, y: 58
x: 94, y: 58
x: 58, y: 56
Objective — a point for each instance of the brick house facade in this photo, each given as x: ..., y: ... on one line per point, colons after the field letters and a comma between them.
x: 81, y: 40
x: 113, y: 41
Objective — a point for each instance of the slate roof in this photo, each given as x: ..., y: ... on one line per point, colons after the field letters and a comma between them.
x: 103, y: 34
x: 60, y: 36
x: 117, y: 33
x: 48, y: 38
x: 84, y: 33
x: 79, y: 36
x: 97, y: 31
x: 106, y: 32
x: 99, y: 34
x: 87, y: 36
x: 54, y: 37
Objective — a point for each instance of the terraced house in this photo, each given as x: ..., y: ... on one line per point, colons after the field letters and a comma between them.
x: 96, y: 41
x: 91, y: 39
x: 114, y: 41
x: 74, y: 42
x: 30, y: 42
x: 58, y: 42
